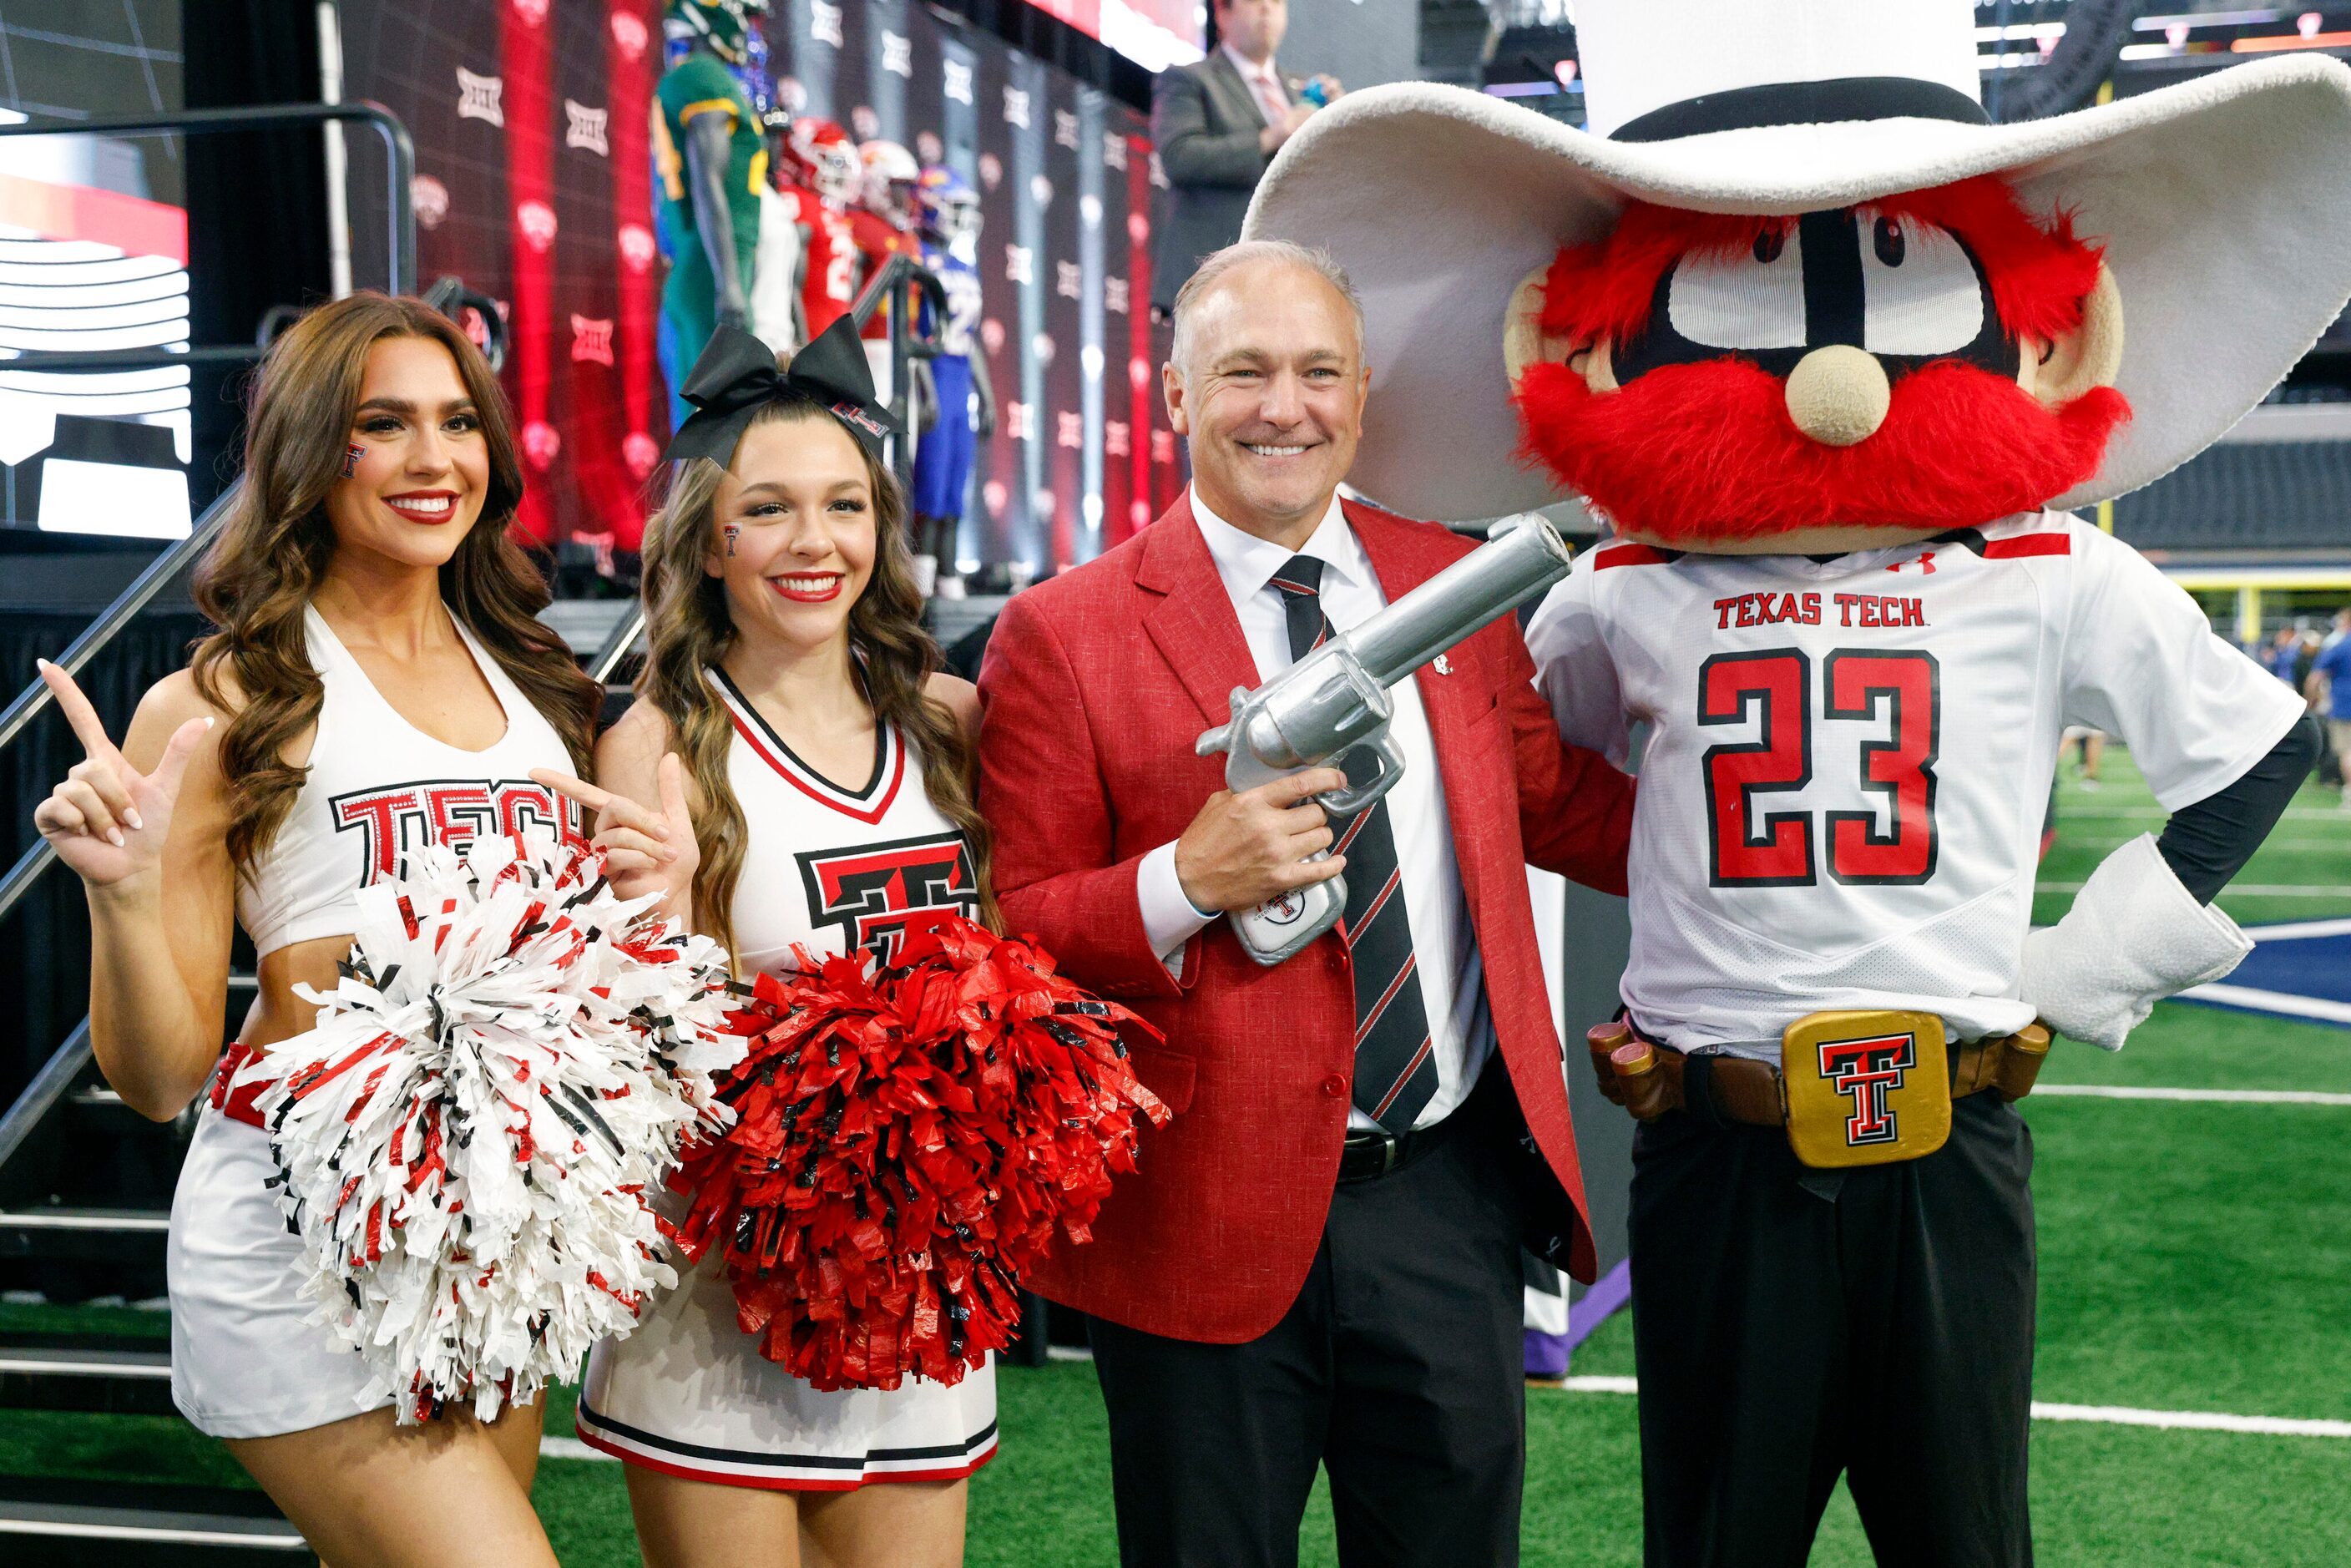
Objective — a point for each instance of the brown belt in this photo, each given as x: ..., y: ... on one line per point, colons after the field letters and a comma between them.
x: 1647, y: 1078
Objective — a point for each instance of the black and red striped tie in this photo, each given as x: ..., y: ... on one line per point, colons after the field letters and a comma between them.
x: 1396, y: 1075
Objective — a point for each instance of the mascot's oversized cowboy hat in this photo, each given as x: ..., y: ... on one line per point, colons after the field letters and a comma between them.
x: 2223, y: 206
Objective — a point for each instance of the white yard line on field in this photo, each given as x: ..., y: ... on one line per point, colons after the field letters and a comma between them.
x: 2235, y: 889
x: 2221, y: 1097
x: 2262, y: 1002
x: 1600, y: 1385
x: 570, y: 1449
x: 2197, y: 1420
x: 2109, y: 1415
x: 2294, y: 930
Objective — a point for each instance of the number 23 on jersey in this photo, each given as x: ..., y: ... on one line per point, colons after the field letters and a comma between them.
x: 1750, y: 845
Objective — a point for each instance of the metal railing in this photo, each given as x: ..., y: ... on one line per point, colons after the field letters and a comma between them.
x: 897, y: 283
x: 398, y: 175
x: 48, y: 1086
x: 166, y: 565
x: 400, y: 278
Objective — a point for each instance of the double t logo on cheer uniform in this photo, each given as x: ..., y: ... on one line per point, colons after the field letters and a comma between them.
x: 877, y: 892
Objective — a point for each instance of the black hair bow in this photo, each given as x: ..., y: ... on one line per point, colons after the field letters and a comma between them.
x: 737, y: 376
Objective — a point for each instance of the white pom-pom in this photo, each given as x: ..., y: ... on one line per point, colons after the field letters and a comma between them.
x: 471, y: 1136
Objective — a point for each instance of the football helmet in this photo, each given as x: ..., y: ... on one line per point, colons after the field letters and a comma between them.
x: 946, y: 205
x: 819, y: 156
x: 729, y: 27
x: 891, y: 176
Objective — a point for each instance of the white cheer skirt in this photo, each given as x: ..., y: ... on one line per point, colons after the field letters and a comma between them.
x: 689, y: 1394
x: 245, y: 1363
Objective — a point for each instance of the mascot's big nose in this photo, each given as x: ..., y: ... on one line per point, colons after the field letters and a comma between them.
x: 1838, y: 395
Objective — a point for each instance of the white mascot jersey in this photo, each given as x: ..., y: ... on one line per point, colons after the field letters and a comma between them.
x: 830, y: 869
x: 1846, y: 763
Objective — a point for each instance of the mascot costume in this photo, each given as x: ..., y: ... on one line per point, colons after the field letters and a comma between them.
x: 1832, y: 355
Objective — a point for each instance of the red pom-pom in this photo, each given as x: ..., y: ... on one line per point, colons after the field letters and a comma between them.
x: 906, y: 1143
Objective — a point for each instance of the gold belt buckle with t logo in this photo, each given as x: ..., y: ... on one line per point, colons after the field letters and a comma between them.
x: 1865, y: 1087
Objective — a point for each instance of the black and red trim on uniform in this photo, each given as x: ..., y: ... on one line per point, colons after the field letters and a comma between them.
x: 868, y: 805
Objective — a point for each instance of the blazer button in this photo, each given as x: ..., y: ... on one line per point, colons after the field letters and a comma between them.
x: 1335, y: 1085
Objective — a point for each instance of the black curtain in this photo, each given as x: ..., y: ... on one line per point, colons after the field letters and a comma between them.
x: 256, y: 237
x: 44, y: 943
x: 256, y: 204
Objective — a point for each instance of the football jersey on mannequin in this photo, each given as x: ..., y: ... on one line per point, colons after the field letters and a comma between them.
x: 828, y: 271
x: 701, y: 84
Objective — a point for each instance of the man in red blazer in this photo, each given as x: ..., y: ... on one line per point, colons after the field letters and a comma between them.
x: 1319, y: 1260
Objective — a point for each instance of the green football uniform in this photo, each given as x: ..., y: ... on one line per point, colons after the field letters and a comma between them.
x: 701, y: 84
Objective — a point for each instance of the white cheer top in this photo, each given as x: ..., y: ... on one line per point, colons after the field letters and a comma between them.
x: 830, y: 868
x: 378, y: 786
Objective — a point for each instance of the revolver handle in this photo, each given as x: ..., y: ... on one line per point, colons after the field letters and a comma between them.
x: 1280, y: 928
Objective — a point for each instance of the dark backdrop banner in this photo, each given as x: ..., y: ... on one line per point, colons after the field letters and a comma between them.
x: 44, y: 943
x: 533, y: 184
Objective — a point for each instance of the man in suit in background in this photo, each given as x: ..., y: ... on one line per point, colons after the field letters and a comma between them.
x: 1319, y: 1258
x: 1216, y: 125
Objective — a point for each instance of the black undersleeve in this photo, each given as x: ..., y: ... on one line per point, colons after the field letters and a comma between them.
x: 2206, y: 843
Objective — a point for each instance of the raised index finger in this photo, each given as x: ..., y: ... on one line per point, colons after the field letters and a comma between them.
x: 608, y: 806
x: 86, y: 726
x: 575, y: 790
x: 675, y: 809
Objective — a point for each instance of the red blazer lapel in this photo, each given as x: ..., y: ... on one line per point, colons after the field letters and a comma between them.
x: 1193, y: 625
x: 1403, y: 558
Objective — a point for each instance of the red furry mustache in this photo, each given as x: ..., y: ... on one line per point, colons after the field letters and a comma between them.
x: 1688, y: 454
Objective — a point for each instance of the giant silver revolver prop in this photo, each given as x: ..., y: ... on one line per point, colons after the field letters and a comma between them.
x: 1334, y: 702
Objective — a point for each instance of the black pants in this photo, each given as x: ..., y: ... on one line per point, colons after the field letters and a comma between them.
x: 1399, y: 1368
x: 1789, y: 1325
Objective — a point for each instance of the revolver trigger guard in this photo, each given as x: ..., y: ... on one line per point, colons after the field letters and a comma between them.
x: 1355, y: 797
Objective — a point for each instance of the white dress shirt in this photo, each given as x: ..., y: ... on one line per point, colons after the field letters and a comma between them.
x: 1264, y: 84
x: 1452, y: 976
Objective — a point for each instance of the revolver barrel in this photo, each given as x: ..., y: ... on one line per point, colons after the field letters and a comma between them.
x: 1524, y: 556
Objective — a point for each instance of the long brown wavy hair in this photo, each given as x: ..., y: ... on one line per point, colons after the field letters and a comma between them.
x: 274, y: 551
x: 689, y: 629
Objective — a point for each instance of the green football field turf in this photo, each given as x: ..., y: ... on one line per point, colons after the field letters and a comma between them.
x: 2194, y: 1256
x: 2302, y: 872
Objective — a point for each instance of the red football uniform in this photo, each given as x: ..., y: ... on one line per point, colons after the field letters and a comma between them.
x: 829, y: 283
x: 877, y: 241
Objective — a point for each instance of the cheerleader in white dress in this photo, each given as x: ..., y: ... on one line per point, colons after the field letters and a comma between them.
x: 790, y: 709
x: 379, y: 682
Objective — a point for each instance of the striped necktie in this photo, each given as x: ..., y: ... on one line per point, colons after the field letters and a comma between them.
x: 1271, y: 101
x: 1396, y: 1075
